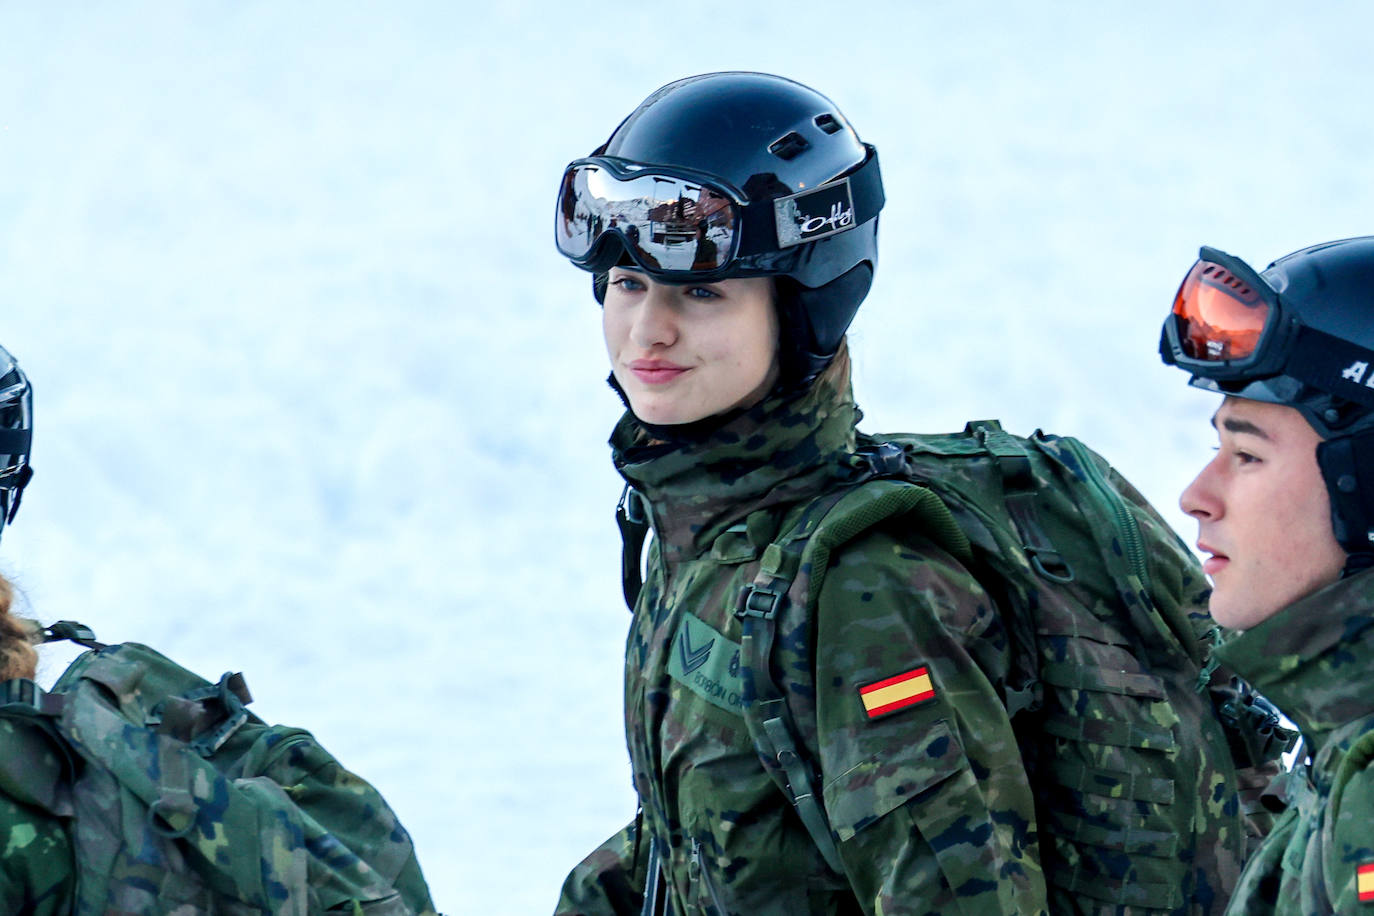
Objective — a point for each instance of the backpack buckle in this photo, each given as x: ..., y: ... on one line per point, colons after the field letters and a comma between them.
x: 760, y: 601
x: 1049, y: 564
x: 886, y: 459
x: 23, y: 696
x: 631, y: 506
x: 75, y: 632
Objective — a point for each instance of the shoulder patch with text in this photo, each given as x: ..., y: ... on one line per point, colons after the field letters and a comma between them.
x: 707, y: 664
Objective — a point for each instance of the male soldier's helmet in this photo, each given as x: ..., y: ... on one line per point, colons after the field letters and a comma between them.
x: 735, y: 175
x: 16, y: 434
x: 1300, y: 334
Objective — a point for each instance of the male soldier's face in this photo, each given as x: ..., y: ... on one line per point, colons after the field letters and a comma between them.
x: 1263, y: 513
x: 684, y: 352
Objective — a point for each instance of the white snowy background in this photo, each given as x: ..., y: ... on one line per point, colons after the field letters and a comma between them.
x: 317, y: 399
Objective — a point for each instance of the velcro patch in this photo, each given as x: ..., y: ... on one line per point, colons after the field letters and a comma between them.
x: 708, y: 664
x: 1364, y: 877
x: 898, y: 692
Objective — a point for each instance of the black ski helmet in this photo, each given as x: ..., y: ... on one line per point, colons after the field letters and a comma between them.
x: 1300, y: 334
x: 16, y: 435
x: 774, y: 143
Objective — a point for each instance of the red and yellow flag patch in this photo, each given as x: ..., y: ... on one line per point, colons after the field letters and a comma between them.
x: 1364, y: 882
x: 898, y: 692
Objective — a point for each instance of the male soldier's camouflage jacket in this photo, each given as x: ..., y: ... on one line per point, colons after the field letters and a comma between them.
x: 1315, y: 661
x: 36, y: 872
x: 929, y: 802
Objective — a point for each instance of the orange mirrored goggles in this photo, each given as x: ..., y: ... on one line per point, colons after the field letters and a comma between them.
x: 1220, y: 315
x: 1223, y: 317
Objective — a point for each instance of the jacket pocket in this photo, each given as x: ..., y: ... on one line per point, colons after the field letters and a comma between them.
x: 875, y: 786
x: 932, y: 782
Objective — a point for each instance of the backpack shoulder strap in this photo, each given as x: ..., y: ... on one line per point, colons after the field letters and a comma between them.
x: 826, y: 523
x: 633, y: 520
x: 38, y: 765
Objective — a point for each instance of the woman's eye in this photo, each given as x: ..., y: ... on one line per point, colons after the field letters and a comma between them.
x: 628, y: 284
x: 700, y: 292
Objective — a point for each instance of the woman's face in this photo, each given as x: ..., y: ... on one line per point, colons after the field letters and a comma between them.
x: 686, y: 352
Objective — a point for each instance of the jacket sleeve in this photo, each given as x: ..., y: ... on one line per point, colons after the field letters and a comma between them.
x: 37, y: 875
x: 1348, y: 861
x: 922, y: 778
x: 609, y: 882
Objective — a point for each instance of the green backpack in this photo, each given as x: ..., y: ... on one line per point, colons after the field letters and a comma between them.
x: 179, y: 800
x: 1147, y: 775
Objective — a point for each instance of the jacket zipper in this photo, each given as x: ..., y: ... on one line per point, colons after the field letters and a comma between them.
x: 1126, y: 527
x: 699, y: 872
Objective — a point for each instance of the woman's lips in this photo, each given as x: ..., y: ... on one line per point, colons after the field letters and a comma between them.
x: 656, y: 372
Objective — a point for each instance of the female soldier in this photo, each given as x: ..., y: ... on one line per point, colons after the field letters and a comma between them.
x: 731, y: 358
x: 37, y: 876
x: 1285, y: 514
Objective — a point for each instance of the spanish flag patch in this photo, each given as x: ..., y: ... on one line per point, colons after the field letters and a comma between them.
x: 1364, y: 882
x: 899, y: 692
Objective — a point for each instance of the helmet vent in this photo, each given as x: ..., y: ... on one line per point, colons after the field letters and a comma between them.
x: 828, y: 123
x: 789, y: 146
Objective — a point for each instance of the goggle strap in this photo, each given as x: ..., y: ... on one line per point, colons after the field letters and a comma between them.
x: 1331, y: 364
x: 15, y: 441
x: 759, y: 232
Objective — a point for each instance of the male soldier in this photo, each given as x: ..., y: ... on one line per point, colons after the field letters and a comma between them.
x: 1285, y: 516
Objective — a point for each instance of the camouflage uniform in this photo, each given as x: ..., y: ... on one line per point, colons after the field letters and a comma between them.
x: 1315, y: 660
x: 110, y: 808
x: 37, y: 877
x: 930, y: 803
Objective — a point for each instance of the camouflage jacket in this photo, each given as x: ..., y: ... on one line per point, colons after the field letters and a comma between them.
x: 930, y: 802
x: 1315, y: 661
x: 37, y: 877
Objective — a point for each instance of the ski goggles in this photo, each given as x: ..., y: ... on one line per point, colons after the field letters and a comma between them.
x: 1234, y: 332
x: 677, y: 222
x: 1221, y: 312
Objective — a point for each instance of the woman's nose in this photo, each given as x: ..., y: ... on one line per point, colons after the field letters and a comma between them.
x: 656, y: 322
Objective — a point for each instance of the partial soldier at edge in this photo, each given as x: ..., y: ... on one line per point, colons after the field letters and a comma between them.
x: 136, y: 786
x: 1285, y: 514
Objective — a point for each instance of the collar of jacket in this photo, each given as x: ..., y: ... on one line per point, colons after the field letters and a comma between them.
x: 785, y: 449
x: 1315, y: 658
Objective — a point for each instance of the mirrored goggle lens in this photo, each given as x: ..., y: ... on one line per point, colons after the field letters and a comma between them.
x: 672, y: 224
x: 1218, y: 315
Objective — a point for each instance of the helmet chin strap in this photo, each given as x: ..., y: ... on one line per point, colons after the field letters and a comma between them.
x: 1347, y: 466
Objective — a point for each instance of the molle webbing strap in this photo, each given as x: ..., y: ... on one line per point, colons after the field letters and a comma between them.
x: 207, y: 717
x: 766, y: 714
x: 633, y: 520
x: 1018, y: 485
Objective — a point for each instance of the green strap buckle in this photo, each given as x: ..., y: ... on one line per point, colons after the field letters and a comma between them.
x: 761, y: 601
